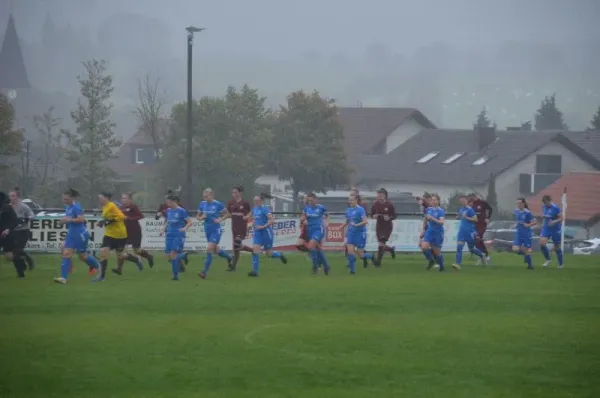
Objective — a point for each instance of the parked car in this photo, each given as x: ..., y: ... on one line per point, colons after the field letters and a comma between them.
x: 587, y: 247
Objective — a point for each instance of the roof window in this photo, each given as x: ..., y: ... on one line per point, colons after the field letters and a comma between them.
x: 428, y: 157
x: 480, y: 161
x: 453, y: 157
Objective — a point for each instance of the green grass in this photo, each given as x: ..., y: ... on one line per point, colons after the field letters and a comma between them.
x: 398, y: 331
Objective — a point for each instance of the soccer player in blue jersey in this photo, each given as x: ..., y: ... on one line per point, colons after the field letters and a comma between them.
x: 177, y: 222
x: 466, y: 232
x: 213, y: 213
x: 263, y: 233
x: 425, y: 202
x: 77, y: 236
x: 356, y: 234
x: 551, y: 229
x: 316, y: 222
x: 522, y: 242
x: 433, y: 238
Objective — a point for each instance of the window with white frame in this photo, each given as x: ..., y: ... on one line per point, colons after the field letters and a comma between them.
x: 139, y: 156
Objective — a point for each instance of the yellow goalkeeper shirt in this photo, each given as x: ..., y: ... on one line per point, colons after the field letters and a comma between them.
x: 116, y: 229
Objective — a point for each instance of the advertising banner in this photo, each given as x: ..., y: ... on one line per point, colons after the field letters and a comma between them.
x: 47, y: 234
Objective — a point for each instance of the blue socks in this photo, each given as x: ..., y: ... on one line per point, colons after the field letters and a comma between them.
x: 224, y: 254
x: 255, y: 262
x: 367, y: 256
x: 323, y: 260
x: 352, y: 262
x: 314, y: 254
x: 545, y: 252
x: 440, y: 261
x: 207, y: 262
x: 428, y: 254
x: 65, y: 267
x: 92, y: 262
x: 476, y: 251
x: 559, y: 255
x: 528, y: 261
x: 175, y: 267
x: 275, y: 254
x: 459, y: 253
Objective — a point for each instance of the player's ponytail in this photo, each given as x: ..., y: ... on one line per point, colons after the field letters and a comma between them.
x: 524, y: 201
x: 72, y: 193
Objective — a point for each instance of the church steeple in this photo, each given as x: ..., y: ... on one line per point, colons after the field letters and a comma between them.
x: 13, y: 74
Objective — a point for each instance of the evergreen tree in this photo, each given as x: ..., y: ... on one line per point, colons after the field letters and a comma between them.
x: 93, y: 142
x: 548, y: 116
x: 482, y: 120
x: 596, y: 121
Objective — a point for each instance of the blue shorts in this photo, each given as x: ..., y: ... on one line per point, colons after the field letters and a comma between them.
x: 435, y: 239
x: 316, y: 233
x: 467, y: 236
x: 213, y: 235
x: 522, y: 241
x: 357, y: 239
x: 550, y: 234
x: 174, y: 244
x: 77, y: 242
x: 263, y: 238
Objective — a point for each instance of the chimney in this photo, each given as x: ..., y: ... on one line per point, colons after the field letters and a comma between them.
x: 485, y: 136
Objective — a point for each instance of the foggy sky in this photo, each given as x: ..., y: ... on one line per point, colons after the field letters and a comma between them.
x: 281, y: 28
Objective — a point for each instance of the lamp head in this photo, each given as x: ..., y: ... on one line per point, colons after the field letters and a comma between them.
x: 193, y: 29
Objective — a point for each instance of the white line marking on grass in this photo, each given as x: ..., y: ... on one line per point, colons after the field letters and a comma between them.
x: 249, y: 338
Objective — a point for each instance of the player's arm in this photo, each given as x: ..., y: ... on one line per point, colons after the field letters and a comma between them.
x: 439, y: 220
x: 8, y: 215
x: 392, y: 210
x: 532, y: 222
x: 74, y: 220
x: 270, y: 219
x: 225, y: 214
x: 136, y: 214
x: 374, y: 211
x: 470, y: 216
x: 200, y: 216
x: 559, y: 218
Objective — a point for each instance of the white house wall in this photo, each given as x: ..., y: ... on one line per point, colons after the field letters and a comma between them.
x: 507, y: 184
x: 405, y: 131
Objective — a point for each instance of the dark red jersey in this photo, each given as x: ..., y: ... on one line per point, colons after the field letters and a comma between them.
x: 162, y: 209
x: 483, y: 211
x: 384, y: 213
x: 133, y: 215
x: 238, y: 211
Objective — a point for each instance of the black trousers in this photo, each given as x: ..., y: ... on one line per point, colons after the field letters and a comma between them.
x: 20, y: 239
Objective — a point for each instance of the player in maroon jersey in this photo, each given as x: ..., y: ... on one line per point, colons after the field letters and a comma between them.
x: 239, y: 209
x: 302, y: 241
x: 424, y: 202
x: 133, y: 215
x: 385, y: 213
x: 484, y: 214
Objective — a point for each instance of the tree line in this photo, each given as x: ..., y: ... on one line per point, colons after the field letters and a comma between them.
x: 546, y: 118
x: 235, y: 139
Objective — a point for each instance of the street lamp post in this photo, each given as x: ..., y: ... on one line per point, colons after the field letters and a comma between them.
x: 189, y: 184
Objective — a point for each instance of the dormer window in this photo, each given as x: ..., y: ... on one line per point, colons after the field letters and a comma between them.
x: 480, y: 161
x: 453, y: 158
x: 428, y: 157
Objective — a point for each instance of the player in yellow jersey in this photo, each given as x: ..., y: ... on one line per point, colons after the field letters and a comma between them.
x: 115, y: 232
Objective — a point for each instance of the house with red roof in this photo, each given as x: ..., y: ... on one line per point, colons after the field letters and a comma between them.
x: 583, y: 199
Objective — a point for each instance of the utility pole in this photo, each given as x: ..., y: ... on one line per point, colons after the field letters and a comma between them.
x: 25, y: 188
x: 189, y: 194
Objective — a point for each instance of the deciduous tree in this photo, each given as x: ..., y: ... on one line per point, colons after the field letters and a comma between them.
x: 150, y: 111
x: 308, y: 144
x: 11, y: 142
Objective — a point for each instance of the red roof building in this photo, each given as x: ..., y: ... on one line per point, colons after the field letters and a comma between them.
x: 583, y: 197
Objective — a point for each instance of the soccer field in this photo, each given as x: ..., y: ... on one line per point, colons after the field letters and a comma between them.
x: 397, y: 331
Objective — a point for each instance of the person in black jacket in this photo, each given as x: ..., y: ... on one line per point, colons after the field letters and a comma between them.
x: 8, y: 222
